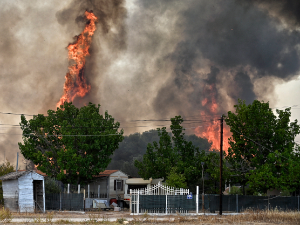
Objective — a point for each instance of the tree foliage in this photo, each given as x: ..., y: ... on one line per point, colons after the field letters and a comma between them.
x: 134, y: 146
x: 262, y: 146
x: 175, y: 179
x: 212, y: 171
x: 70, y: 144
x: 172, y: 152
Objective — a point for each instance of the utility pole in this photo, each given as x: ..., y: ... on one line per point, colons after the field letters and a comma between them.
x: 17, y: 161
x: 221, y: 163
x: 202, y: 164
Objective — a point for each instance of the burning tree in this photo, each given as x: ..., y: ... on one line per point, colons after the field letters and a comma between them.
x: 71, y: 144
x: 75, y: 84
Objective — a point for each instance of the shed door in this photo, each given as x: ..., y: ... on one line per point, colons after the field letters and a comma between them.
x: 38, y: 195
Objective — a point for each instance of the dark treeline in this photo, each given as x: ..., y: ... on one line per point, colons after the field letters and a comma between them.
x: 134, y: 146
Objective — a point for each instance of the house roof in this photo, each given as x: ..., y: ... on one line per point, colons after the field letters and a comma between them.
x: 106, y: 173
x: 15, y: 175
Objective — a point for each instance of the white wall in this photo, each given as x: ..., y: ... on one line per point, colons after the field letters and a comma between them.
x: 119, y: 175
x: 10, y: 194
x: 10, y: 188
x: 26, y: 203
x: 103, y: 185
x: 25, y: 183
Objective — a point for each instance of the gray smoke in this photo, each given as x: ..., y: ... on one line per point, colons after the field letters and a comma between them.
x: 111, y: 30
x: 149, y: 59
x: 241, y: 42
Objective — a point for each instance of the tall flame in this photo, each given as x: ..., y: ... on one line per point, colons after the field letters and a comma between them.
x: 75, y: 84
x: 211, y: 129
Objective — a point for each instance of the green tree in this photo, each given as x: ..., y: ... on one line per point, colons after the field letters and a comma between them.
x: 172, y: 152
x: 212, y: 171
x: 175, y: 179
x: 71, y: 144
x: 158, y: 159
x: 134, y: 146
x: 261, y: 144
x: 5, y: 168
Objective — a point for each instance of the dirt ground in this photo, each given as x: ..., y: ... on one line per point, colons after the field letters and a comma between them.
x: 124, y: 217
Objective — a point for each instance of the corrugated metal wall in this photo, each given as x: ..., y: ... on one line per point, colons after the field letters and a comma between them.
x: 10, y: 194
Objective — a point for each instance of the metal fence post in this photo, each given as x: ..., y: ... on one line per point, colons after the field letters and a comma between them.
x: 98, y: 191
x: 84, y: 200
x: 88, y: 191
x: 237, y: 203
x: 78, y: 188
x: 166, y: 204
x: 130, y: 201
x: 138, y: 203
x: 197, y: 199
x: 60, y: 201
x: 298, y: 203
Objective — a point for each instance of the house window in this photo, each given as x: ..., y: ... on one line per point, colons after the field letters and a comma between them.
x: 118, y: 185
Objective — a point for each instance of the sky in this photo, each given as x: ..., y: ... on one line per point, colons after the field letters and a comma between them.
x: 149, y: 59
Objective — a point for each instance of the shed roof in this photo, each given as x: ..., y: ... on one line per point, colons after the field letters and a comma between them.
x: 37, y: 171
x: 15, y: 175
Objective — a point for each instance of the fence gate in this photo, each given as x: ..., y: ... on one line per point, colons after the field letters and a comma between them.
x: 162, y: 199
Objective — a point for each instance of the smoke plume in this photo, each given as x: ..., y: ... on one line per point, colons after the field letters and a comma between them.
x: 149, y: 59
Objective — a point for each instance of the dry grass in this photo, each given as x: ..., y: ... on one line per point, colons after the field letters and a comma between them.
x: 5, y: 215
x: 250, y: 216
x: 247, y: 217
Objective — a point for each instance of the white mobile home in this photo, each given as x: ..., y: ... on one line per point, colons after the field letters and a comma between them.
x: 108, y: 185
x: 23, y: 191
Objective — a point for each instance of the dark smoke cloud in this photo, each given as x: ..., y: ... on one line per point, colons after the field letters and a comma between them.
x: 110, y: 14
x: 149, y: 59
x: 286, y: 10
x: 33, y: 55
x: 111, y: 30
x: 242, y: 42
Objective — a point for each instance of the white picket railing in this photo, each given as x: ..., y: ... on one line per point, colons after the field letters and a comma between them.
x: 158, y: 189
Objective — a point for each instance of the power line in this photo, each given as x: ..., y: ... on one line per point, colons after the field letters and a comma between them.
x: 16, y: 114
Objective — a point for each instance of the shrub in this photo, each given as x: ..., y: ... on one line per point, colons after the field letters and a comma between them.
x: 5, y: 215
x: 234, y: 190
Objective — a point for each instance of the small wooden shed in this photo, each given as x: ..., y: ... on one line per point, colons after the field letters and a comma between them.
x: 24, y: 191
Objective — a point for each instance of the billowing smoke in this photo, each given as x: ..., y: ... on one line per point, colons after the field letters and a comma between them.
x: 149, y: 59
x: 111, y: 33
x: 238, y: 44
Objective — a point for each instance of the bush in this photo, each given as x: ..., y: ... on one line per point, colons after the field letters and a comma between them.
x: 51, y: 186
x: 175, y: 179
x: 5, y: 215
x: 234, y: 190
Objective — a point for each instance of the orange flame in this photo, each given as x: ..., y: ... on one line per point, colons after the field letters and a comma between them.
x: 211, y: 129
x: 75, y: 84
x: 212, y: 133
